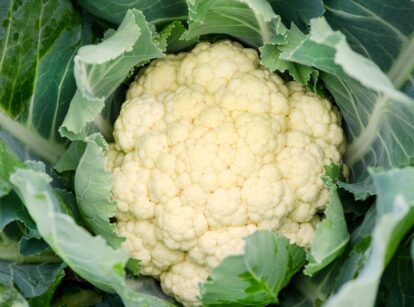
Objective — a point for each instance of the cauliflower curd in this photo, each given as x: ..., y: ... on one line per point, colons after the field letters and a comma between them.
x: 209, y: 147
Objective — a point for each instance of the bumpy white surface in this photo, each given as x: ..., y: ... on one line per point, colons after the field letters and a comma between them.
x: 209, y: 147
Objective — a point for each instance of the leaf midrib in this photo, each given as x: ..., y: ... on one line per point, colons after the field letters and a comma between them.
x: 402, y: 68
x: 44, y: 148
x: 7, y: 35
x: 32, y: 98
x: 399, y: 73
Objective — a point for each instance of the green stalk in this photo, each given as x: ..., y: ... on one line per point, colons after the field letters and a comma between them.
x: 9, y: 251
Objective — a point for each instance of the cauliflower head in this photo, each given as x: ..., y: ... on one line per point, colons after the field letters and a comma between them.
x: 209, y: 147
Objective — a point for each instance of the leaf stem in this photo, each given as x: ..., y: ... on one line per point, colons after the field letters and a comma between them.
x: 9, y: 251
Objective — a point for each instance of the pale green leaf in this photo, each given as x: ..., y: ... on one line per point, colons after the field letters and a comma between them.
x: 395, y: 217
x: 378, y: 116
x: 100, y: 69
x: 70, y: 160
x: 88, y: 256
x: 251, y: 21
x: 331, y: 235
x: 93, y: 186
x: 256, y: 277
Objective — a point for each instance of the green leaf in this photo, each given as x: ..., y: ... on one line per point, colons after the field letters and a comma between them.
x: 156, y: 12
x: 251, y: 21
x: 412, y: 250
x: 11, y: 210
x: 297, y: 11
x: 70, y: 159
x: 396, y: 283
x: 175, y: 42
x: 78, y: 296
x: 270, y: 57
x: 10, y: 297
x: 331, y: 235
x: 8, y: 162
x: 14, y: 215
x: 93, y: 186
x: 46, y: 298
x: 395, y: 217
x: 313, y: 291
x: 34, y: 280
x: 38, y: 40
x: 79, y: 121
x: 257, y: 276
x: 393, y: 21
x: 88, y: 256
x: 148, y: 285
x: 377, y: 115
x: 100, y: 69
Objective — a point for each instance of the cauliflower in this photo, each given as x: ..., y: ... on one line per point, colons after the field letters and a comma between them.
x: 209, y: 147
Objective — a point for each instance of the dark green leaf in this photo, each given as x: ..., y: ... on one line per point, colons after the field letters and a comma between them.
x: 397, y: 282
x: 393, y: 20
x: 298, y: 12
x: 158, y: 12
x: 38, y: 40
x: 35, y: 279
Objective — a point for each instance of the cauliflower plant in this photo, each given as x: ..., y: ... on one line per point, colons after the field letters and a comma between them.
x: 209, y: 147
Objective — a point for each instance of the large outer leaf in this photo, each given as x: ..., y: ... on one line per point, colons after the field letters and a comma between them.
x: 38, y: 40
x: 382, y: 31
x: 155, y: 11
x: 395, y: 217
x: 256, y: 277
x: 387, y: 37
x: 88, y: 256
x: 378, y: 117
